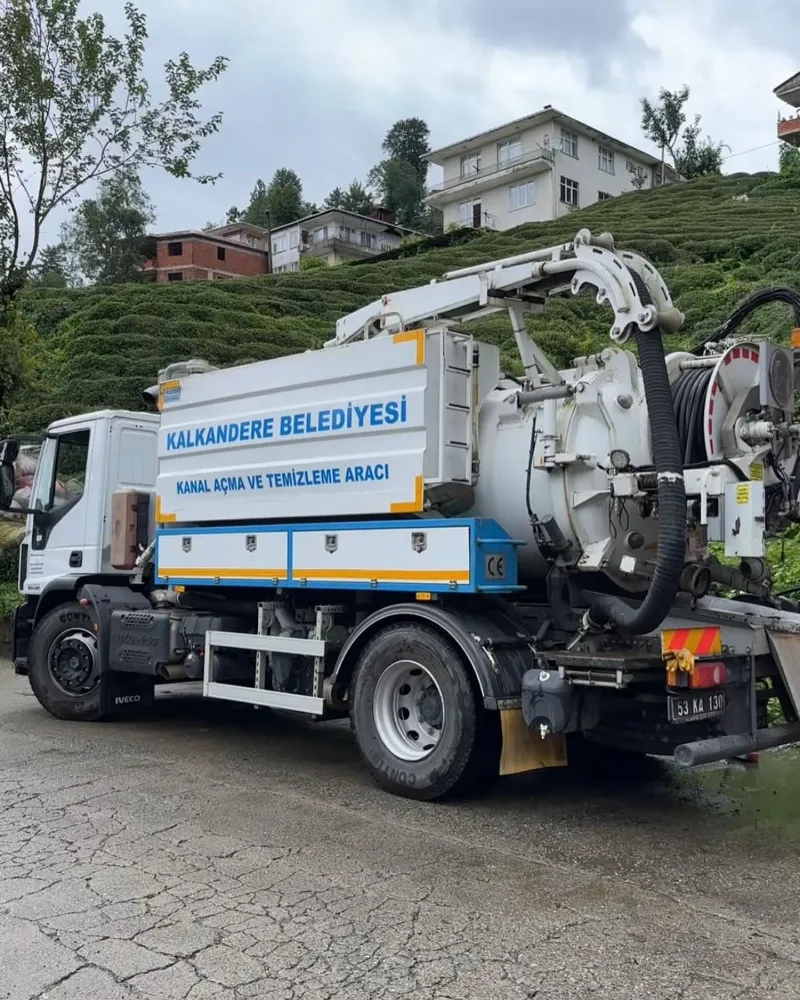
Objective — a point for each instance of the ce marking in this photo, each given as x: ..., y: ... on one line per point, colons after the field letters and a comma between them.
x: 494, y: 567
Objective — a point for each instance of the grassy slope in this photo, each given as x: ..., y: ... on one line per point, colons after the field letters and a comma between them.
x: 99, y: 347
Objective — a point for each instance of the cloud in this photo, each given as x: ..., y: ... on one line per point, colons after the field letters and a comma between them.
x: 314, y: 85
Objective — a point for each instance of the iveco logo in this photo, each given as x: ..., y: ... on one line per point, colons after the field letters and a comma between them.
x: 127, y: 699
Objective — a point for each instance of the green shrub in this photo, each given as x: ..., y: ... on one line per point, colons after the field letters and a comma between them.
x: 9, y: 599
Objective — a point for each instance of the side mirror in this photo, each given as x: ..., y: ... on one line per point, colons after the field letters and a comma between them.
x: 9, y: 450
x: 6, y: 486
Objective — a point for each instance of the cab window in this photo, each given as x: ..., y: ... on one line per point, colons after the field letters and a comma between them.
x: 62, y: 471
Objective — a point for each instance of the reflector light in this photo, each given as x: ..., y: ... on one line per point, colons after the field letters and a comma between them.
x: 708, y: 675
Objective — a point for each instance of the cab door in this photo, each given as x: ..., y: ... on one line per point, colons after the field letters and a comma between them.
x: 64, y: 532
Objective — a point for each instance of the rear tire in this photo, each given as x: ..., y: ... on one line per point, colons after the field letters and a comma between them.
x: 62, y: 664
x: 417, y: 716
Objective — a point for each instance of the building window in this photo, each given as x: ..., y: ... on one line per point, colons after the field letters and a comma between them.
x: 294, y: 239
x: 366, y: 239
x: 508, y: 151
x: 470, y: 164
x: 603, y: 195
x: 465, y: 213
x: 220, y: 253
x: 569, y: 143
x: 521, y: 195
x: 174, y: 249
x: 175, y: 276
x: 605, y: 159
x: 279, y: 243
x: 569, y: 192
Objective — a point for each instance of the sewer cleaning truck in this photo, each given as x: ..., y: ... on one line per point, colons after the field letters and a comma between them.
x: 482, y: 570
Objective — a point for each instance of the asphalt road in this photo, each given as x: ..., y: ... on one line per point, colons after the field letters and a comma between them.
x: 214, y: 852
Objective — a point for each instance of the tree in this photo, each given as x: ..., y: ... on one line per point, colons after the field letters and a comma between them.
x: 663, y: 124
x: 355, y: 199
x: 257, y: 212
x: 789, y: 161
x: 697, y: 159
x: 284, y: 197
x: 52, y: 269
x: 407, y: 140
x: 399, y: 180
x: 107, y: 235
x: 400, y: 191
x: 75, y: 106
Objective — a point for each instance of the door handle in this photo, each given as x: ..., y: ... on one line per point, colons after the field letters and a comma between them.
x: 76, y: 559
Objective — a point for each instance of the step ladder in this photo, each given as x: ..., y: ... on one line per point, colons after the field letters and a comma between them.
x: 258, y: 695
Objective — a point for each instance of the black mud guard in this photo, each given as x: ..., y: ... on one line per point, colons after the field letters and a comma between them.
x: 493, y: 641
x: 126, y: 688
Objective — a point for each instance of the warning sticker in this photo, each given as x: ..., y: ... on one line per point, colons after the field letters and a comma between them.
x: 757, y: 472
x: 743, y: 493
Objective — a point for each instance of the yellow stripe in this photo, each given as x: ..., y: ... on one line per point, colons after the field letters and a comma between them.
x: 396, y: 575
x: 413, y: 337
x: 224, y: 574
x: 409, y: 506
x: 161, y: 517
x: 698, y: 641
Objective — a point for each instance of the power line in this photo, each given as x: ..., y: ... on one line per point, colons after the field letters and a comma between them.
x: 775, y: 142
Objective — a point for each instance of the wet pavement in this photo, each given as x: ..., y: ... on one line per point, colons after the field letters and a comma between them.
x: 215, y: 852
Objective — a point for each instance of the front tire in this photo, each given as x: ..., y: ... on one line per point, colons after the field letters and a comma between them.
x: 417, y: 717
x: 62, y: 664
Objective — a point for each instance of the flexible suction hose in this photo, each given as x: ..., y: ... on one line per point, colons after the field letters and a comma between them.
x: 608, y: 611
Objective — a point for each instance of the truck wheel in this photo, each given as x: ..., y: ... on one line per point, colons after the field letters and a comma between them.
x: 62, y: 664
x: 416, y: 716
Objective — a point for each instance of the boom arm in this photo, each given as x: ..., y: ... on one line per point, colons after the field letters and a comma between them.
x: 522, y: 283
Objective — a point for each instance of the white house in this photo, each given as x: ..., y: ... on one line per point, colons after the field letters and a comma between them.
x: 534, y: 169
x: 335, y: 236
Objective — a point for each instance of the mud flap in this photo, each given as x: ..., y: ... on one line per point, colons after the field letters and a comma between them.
x: 786, y: 650
x: 125, y: 695
x: 526, y: 750
x: 126, y: 684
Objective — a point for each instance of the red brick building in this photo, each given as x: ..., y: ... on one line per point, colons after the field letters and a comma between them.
x: 235, y: 251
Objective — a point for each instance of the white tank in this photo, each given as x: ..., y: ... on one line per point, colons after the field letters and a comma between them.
x: 564, y: 485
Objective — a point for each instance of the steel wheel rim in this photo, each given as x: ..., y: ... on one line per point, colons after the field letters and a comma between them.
x: 72, y: 662
x: 408, y: 710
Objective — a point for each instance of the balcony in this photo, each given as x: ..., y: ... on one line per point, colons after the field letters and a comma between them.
x: 789, y: 130
x: 534, y: 161
x: 347, y: 242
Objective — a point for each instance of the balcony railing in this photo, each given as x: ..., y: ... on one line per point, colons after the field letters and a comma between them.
x: 493, y: 168
x: 788, y: 126
x: 341, y: 238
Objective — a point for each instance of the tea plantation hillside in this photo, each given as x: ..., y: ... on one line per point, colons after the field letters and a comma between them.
x: 714, y: 239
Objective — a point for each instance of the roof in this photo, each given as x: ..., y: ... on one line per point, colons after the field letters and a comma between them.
x: 236, y: 226
x: 789, y: 90
x: 547, y: 114
x: 343, y: 211
x: 208, y: 235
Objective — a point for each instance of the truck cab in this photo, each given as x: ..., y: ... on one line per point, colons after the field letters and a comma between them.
x: 81, y: 463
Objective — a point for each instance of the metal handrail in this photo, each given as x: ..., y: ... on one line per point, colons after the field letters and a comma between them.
x: 493, y: 168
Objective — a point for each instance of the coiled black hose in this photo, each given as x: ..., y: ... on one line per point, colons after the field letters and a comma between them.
x: 611, y: 612
x: 688, y: 398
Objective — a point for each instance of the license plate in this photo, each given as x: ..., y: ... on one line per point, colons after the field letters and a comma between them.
x: 695, y: 706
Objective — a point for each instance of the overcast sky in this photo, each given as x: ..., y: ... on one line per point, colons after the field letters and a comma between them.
x: 314, y: 84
